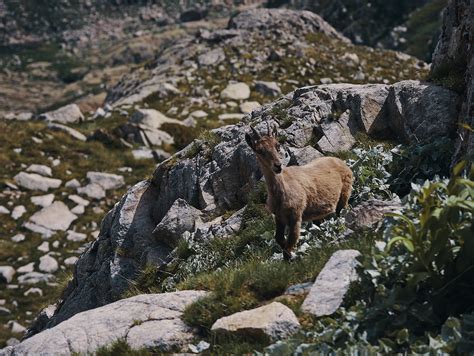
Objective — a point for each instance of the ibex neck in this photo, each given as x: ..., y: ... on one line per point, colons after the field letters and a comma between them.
x: 275, y: 184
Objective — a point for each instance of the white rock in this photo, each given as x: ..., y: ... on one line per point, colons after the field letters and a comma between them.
x: 93, y: 191
x: 33, y: 181
x: 43, y: 200
x: 70, y: 261
x: 151, y: 119
x: 18, y: 212
x: 34, y: 278
x: 78, y: 200
x: 44, y: 247
x: 106, y: 180
x: 30, y: 267
x: 6, y: 273
x: 232, y: 116
x: 273, y: 321
x: 40, y: 169
x: 18, y: 238
x: 76, y: 236
x: 78, y: 210
x: 16, y: 328
x: 73, y: 183
x: 248, y: 106
x: 47, y: 233
x: 267, y: 88
x: 67, y: 114
x: 48, y: 264
x: 4, y: 210
x: 54, y: 217
x: 33, y: 291
x: 236, y: 91
x: 198, y: 114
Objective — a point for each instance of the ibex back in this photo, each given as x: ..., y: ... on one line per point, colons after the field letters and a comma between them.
x: 299, y: 193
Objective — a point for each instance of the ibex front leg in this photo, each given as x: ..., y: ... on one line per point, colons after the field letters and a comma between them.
x: 280, y: 234
x: 293, y: 236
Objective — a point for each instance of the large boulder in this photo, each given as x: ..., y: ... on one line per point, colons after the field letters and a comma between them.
x: 33, y: 181
x: 145, y: 321
x: 270, y: 322
x: 56, y: 216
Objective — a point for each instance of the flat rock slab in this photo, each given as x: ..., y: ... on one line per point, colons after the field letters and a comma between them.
x: 67, y: 114
x: 70, y: 131
x: 332, y: 283
x: 236, y: 91
x: 148, y: 320
x: 57, y: 216
x: 106, y: 180
x: 33, y: 181
x: 274, y: 321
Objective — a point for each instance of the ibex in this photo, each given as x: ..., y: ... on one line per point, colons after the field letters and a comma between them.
x: 299, y: 193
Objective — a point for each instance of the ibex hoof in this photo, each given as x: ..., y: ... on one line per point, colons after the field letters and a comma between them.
x: 288, y: 256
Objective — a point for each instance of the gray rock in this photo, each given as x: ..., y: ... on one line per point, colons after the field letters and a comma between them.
x: 4, y: 311
x: 47, y: 233
x: 151, y: 119
x: 54, y: 217
x: 181, y: 217
x: 43, y: 200
x: 267, y: 88
x: 370, y: 212
x: 236, y: 91
x: 149, y: 320
x: 146, y: 153
x: 33, y: 181
x: 212, y: 58
x: 16, y: 328
x: 73, y: 183
x: 270, y: 322
x: 48, y: 264
x: 416, y: 111
x: 337, y: 134
x: 44, y: 247
x: 75, y: 236
x: 248, y: 106
x: 71, y: 261
x: 6, y: 274
x: 35, y: 278
x: 30, y: 267
x: 231, y: 116
x: 40, y: 169
x: 302, y: 156
x: 78, y: 200
x: 328, y: 291
x: 18, y: 238
x: 68, y: 130
x: 106, y: 180
x: 93, y: 191
x: 299, y: 289
x: 66, y: 115
x: 78, y: 210
x: 4, y: 210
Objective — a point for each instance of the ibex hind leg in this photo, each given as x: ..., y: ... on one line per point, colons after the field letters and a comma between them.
x: 293, y: 236
x: 345, y: 194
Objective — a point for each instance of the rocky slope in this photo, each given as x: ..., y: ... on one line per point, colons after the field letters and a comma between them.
x: 167, y: 229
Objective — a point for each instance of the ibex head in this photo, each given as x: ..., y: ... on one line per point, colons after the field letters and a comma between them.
x: 267, y: 148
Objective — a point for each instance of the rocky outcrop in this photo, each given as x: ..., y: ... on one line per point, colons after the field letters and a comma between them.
x: 453, y: 64
x: 270, y: 322
x: 216, y: 174
x: 146, y: 321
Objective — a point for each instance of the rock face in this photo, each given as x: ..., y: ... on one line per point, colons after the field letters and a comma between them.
x: 271, y: 322
x: 208, y: 179
x: 453, y: 60
x: 66, y: 115
x: 151, y: 321
x: 328, y: 291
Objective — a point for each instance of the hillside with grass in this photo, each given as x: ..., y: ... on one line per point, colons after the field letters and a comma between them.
x: 140, y: 225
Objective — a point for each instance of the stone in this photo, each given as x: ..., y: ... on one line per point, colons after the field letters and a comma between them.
x: 232, y: 116
x: 248, y: 106
x: 270, y: 322
x: 18, y: 212
x: 33, y: 181
x: 302, y: 156
x: 68, y: 130
x: 18, y: 238
x: 40, y: 169
x: 338, y: 134
x: 370, y: 212
x: 33, y: 291
x: 236, y: 91
x: 181, y: 217
x: 35, y: 278
x: 78, y: 210
x: 93, y: 191
x: 76, y: 236
x: 267, y: 88
x: 299, y: 289
x: 199, y: 114
x: 54, y: 217
x: 30, y: 267
x: 146, y: 153
x: 106, y: 180
x: 43, y: 200
x: 151, y: 119
x: 44, y: 247
x: 328, y: 291
x: 200, y: 347
x: 211, y: 58
x: 144, y: 321
x: 48, y: 264
x: 4, y: 311
x: 351, y: 59
x: 16, y: 328
x: 78, y: 200
x: 6, y: 274
x: 68, y: 114
x: 4, y: 210
x: 416, y: 111
x: 73, y: 183
x: 46, y: 233
x: 71, y: 261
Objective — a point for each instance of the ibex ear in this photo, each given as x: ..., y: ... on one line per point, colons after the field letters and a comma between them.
x: 250, y: 142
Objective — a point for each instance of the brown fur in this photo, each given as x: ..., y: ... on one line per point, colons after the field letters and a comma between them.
x: 300, y: 193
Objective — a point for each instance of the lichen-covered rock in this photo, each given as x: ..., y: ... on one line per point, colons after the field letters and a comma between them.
x: 270, y: 322
x: 149, y: 320
x: 328, y: 291
x: 370, y: 212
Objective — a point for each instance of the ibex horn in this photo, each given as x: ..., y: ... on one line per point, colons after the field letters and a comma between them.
x: 268, y: 129
x: 257, y: 135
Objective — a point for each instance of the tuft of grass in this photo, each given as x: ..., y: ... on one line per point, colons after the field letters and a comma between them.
x: 121, y: 348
